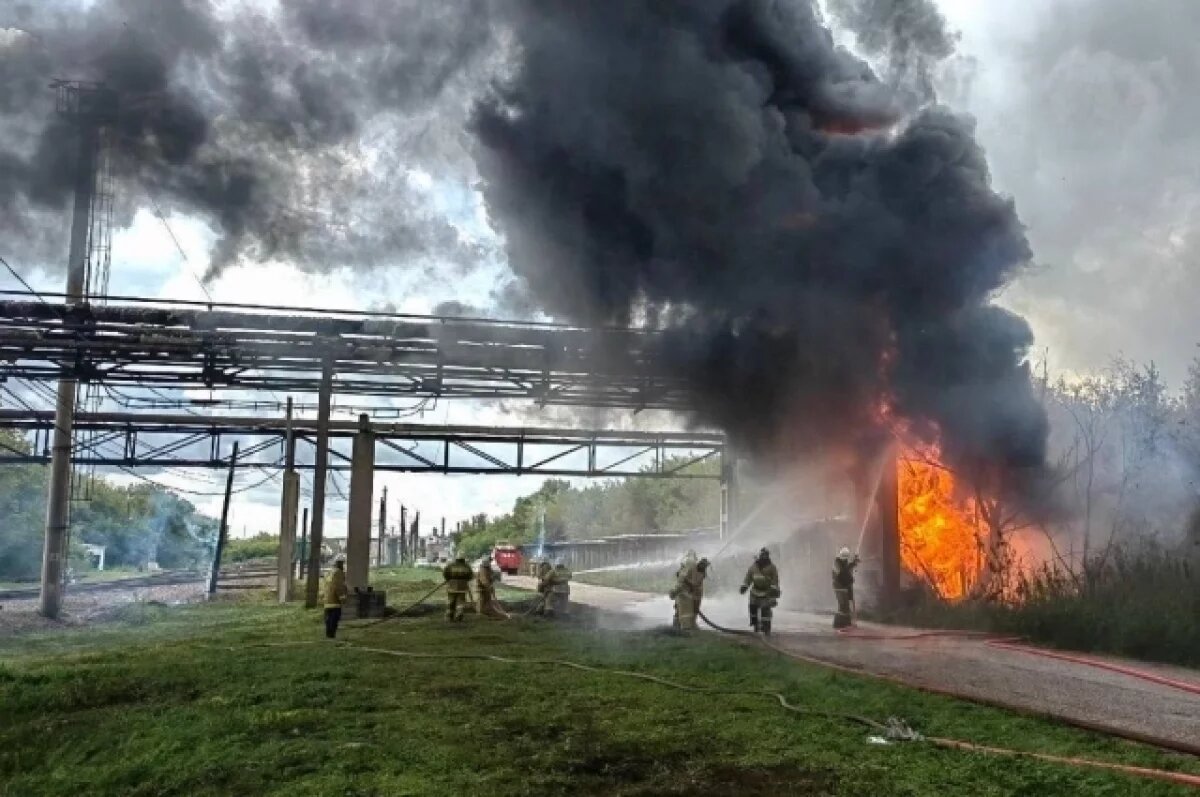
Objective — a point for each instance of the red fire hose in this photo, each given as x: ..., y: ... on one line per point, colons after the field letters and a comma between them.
x: 1014, y: 644
x: 1181, y: 778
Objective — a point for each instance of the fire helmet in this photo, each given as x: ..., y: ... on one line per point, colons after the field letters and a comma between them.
x: 763, y: 553
x: 844, y: 553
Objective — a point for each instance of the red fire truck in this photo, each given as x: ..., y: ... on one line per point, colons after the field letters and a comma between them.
x: 507, y: 557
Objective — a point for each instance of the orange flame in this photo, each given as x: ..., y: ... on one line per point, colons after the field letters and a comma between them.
x: 939, y: 529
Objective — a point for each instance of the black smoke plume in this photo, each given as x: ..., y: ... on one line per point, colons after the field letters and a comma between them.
x: 723, y: 171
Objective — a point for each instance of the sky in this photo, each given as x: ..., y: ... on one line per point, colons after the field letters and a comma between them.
x: 1088, y: 121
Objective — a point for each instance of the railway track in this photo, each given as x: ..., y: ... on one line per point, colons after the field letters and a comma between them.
x: 164, y: 578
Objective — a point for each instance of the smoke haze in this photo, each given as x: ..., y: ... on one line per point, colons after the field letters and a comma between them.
x: 1089, y: 115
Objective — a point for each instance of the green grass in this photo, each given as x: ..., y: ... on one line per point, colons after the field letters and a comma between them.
x: 244, y: 697
x: 650, y: 579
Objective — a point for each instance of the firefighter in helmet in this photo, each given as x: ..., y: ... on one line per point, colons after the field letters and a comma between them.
x: 332, y: 594
x: 544, y: 569
x: 485, y: 583
x: 843, y: 587
x: 687, y: 593
x: 558, y: 590
x: 762, y: 581
x: 457, y: 575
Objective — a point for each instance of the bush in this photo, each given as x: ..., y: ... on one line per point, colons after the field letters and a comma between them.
x: 1139, y: 602
x: 262, y: 546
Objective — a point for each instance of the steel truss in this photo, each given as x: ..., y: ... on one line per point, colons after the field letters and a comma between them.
x: 148, y: 440
x: 132, y: 341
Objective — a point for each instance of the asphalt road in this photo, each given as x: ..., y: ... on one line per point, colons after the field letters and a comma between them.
x: 968, y: 667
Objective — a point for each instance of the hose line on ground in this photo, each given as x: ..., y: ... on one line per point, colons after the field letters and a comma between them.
x: 401, y: 613
x: 893, y: 729
x: 1015, y: 643
x: 1182, y: 778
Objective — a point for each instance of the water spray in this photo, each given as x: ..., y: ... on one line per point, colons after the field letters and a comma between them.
x: 869, y: 509
x: 768, y: 501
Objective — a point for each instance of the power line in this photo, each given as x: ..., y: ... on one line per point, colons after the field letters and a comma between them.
x: 186, y: 491
x: 21, y: 280
x: 162, y: 217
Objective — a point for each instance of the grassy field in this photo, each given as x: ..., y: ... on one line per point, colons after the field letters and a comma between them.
x: 650, y: 579
x: 244, y: 697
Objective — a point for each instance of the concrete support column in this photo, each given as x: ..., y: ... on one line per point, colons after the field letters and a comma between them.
x: 58, y: 497
x: 287, y: 534
x: 358, y: 528
x: 289, y: 509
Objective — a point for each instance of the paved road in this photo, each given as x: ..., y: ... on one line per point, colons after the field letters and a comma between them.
x: 966, y: 667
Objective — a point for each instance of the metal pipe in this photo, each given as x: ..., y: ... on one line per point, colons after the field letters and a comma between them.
x: 302, y: 426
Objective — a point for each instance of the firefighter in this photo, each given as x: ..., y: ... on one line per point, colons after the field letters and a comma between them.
x: 558, y: 590
x: 762, y: 580
x: 843, y: 587
x: 544, y: 569
x: 335, y: 590
x: 485, y: 583
x: 689, y: 589
x: 457, y: 575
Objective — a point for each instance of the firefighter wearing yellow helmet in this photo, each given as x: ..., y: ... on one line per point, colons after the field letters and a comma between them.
x: 762, y: 581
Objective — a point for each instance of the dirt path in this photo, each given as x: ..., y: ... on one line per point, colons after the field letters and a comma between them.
x: 966, y: 667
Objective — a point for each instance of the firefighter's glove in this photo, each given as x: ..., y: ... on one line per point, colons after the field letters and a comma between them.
x: 743, y: 589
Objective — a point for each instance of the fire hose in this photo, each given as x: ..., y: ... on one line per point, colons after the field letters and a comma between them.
x: 1181, y: 778
x: 893, y: 729
x: 1014, y: 644
x: 400, y: 613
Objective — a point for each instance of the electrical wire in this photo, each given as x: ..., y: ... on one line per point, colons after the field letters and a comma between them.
x: 21, y: 280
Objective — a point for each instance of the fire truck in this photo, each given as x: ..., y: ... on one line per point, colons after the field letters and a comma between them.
x: 507, y: 557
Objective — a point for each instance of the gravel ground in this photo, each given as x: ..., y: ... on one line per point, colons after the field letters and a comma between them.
x: 89, y: 608
x: 966, y: 667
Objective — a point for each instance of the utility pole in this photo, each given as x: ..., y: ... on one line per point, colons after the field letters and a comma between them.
x: 312, y: 585
x: 223, y: 532
x: 90, y: 106
x: 382, y: 527
x: 300, y: 560
x: 404, y: 538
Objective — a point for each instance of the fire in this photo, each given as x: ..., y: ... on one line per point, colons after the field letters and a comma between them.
x: 939, y: 529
